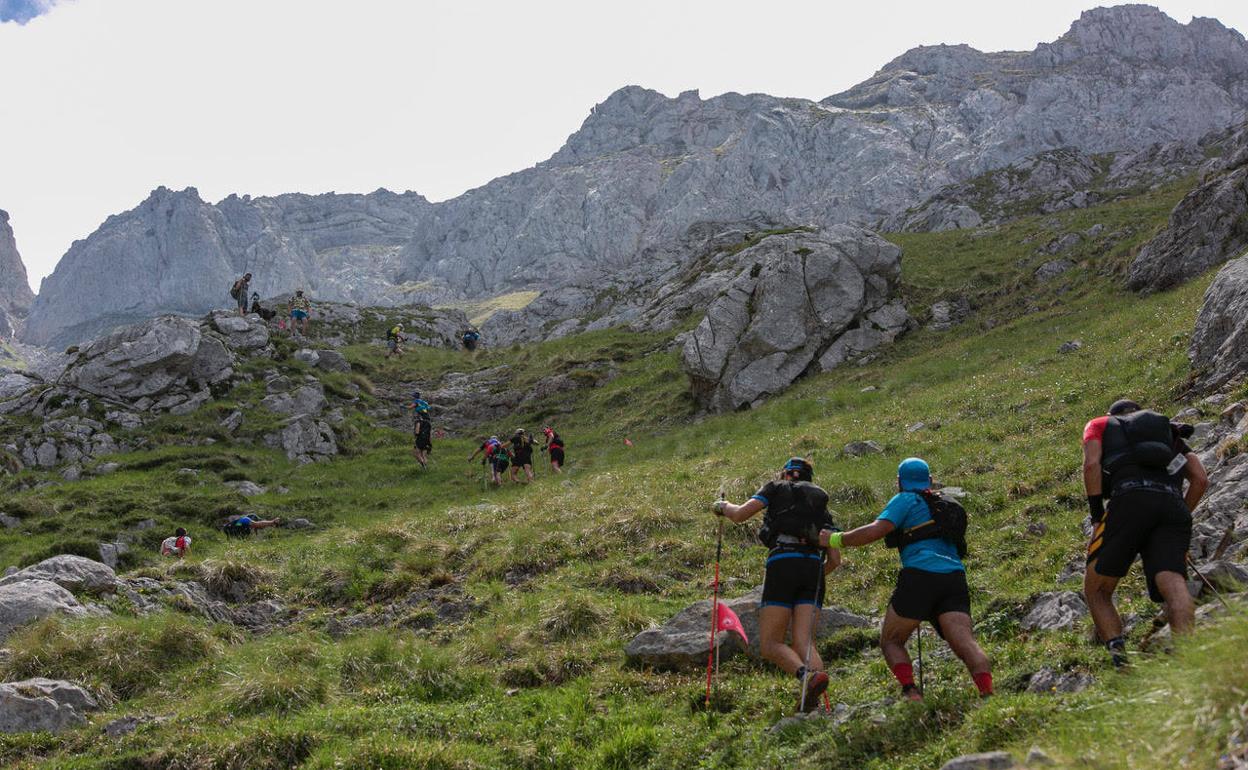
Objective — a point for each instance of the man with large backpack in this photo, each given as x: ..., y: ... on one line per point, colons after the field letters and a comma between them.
x: 394, y: 341
x: 1138, y: 458
x: 793, y: 586
x: 422, y: 429
x: 239, y: 292
x: 496, y: 455
x: 470, y: 339
x: 929, y: 532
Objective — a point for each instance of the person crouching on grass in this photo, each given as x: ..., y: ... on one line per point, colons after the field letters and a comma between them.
x: 793, y: 586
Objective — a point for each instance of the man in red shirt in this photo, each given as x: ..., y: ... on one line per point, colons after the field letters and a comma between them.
x: 1137, y: 458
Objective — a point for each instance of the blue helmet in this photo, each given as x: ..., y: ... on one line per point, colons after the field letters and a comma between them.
x: 914, y: 475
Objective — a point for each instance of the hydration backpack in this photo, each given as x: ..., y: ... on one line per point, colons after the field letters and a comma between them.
x: 237, y: 528
x: 948, y: 523
x: 800, y: 510
x: 1138, y: 445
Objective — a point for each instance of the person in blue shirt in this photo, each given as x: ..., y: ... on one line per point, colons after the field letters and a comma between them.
x: 931, y: 585
x: 422, y: 429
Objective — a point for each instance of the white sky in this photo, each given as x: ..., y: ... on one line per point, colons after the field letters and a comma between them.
x: 103, y: 100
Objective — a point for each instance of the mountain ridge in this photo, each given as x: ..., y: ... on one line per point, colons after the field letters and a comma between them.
x: 642, y: 168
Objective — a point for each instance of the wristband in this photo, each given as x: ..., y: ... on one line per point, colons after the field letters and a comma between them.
x: 1096, y: 507
x: 834, y: 540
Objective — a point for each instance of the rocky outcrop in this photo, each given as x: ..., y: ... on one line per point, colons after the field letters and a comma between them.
x: 644, y: 167
x: 1051, y: 181
x: 15, y: 294
x: 1219, y: 347
x: 1208, y: 227
x: 683, y: 641
x: 781, y: 315
x: 43, y: 705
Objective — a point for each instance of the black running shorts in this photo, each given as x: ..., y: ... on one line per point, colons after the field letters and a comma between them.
x: 423, y: 438
x: 556, y: 454
x: 922, y: 595
x: 1156, y: 525
x: 792, y: 578
x: 524, y: 457
x: 500, y: 464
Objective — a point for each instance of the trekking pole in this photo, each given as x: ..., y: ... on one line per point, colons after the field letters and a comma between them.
x: 1216, y: 593
x: 814, y: 629
x: 921, y: 667
x: 711, y: 651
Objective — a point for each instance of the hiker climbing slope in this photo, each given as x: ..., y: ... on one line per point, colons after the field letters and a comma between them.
x: 496, y: 455
x: 300, y: 309
x: 929, y: 533
x: 522, y: 455
x: 793, y: 586
x: 394, y: 341
x: 422, y: 429
x: 554, y: 446
x: 470, y: 339
x: 1138, y: 460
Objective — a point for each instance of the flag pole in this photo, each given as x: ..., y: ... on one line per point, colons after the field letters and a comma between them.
x: 712, y: 651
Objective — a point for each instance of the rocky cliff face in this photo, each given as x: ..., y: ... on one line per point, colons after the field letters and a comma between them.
x: 175, y: 253
x: 644, y: 168
x: 15, y: 293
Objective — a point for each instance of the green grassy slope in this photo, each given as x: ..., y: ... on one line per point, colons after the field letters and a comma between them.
x: 556, y: 577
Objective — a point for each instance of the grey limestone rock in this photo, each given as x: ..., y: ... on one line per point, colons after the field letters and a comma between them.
x: 1048, y: 681
x: 992, y: 760
x: 774, y: 319
x: 305, y: 439
x: 1052, y: 269
x: 1055, y: 611
x: 1208, y: 227
x: 30, y: 600
x: 15, y: 294
x: 644, y: 167
x: 76, y: 573
x: 43, y: 705
x: 1219, y: 347
x: 683, y: 641
x: 862, y: 448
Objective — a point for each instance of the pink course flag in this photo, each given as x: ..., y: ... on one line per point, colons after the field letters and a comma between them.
x: 728, y: 621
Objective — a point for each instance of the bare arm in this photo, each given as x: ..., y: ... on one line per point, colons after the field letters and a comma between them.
x: 863, y: 535
x: 1092, y: 468
x: 740, y: 513
x: 1197, y: 481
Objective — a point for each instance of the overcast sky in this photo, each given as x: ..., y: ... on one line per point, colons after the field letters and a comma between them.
x: 103, y: 100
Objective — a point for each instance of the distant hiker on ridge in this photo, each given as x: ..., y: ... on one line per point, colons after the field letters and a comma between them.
x: 470, y: 339
x: 1139, y: 457
x: 930, y: 535
x: 793, y: 586
x: 300, y: 308
x: 239, y: 293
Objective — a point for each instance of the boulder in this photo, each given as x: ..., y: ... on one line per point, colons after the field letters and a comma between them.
x: 682, y: 642
x: 1047, y: 680
x: 304, y: 439
x: 246, y: 488
x: 794, y: 297
x: 306, y: 399
x: 43, y: 705
x: 240, y: 333
x: 1055, y: 611
x: 158, y: 364
x: 862, y: 448
x: 947, y: 314
x: 76, y: 573
x: 332, y: 360
x: 1052, y: 269
x: 992, y: 760
x: 1070, y: 347
x: 1219, y: 348
x: 111, y: 552
x: 309, y: 357
x: 31, y: 600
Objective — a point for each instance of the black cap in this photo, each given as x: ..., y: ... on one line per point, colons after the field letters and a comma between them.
x: 1123, y: 406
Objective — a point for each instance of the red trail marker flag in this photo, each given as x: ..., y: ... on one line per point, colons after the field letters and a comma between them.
x: 727, y: 620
